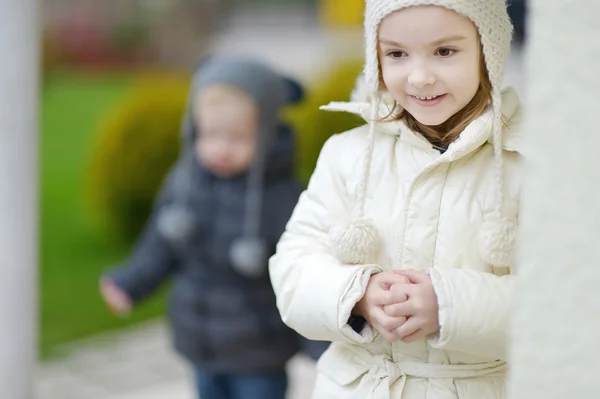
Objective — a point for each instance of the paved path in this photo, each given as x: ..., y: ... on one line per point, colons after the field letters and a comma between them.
x: 135, y: 364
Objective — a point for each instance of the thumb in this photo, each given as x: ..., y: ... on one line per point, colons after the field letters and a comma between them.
x: 415, y: 276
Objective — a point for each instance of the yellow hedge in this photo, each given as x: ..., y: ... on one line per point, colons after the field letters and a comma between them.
x: 342, y: 13
x: 312, y: 126
x: 135, y: 146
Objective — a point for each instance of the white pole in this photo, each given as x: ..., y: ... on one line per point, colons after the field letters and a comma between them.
x: 555, y: 352
x: 18, y: 196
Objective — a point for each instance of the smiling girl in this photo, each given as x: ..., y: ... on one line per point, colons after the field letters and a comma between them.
x: 400, y: 251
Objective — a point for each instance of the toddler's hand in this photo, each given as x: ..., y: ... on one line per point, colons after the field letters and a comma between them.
x: 116, y: 299
x: 420, y: 309
x: 379, y: 294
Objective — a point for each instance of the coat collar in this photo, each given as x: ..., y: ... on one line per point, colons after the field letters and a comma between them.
x: 475, y: 135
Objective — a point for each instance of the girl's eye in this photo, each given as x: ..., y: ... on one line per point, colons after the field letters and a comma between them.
x: 445, y: 52
x: 396, y: 54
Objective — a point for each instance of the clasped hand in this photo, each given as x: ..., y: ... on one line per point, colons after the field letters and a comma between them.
x: 401, y: 305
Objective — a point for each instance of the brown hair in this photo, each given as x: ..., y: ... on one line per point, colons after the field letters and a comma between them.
x: 444, y: 134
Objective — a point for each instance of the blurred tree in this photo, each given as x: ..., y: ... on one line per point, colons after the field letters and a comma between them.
x: 313, y: 126
x: 341, y: 13
x: 135, y: 146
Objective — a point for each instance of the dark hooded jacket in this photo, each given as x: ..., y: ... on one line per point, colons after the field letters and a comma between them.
x: 223, y: 319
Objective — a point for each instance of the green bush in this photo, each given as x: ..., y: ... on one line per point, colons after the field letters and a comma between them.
x: 313, y: 126
x: 135, y: 146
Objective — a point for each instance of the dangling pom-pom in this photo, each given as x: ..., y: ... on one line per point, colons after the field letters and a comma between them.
x: 176, y: 223
x: 355, y: 243
x: 497, y: 240
x: 248, y: 256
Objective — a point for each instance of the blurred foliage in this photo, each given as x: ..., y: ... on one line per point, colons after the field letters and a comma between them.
x: 342, y: 13
x: 50, y: 56
x: 313, y: 126
x: 130, y: 34
x: 73, y: 251
x: 136, y: 144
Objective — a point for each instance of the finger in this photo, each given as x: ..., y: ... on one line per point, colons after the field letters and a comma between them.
x: 387, y: 279
x: 389, y: 336
x: 122, y: 301
x: 107, y: 293
x: 396, y: 293
x: 412, y: 325
x: 415, y: 276
x: 380, y: 297
x: 403, y: 309
x: 118, y: 292
x: 115, y: 297
x: 105, y: 283
x: 403, y: 278
x: 116, y: 302
x: 387, y: 322
x: 400, y: 293
x: 113, y: 292
x: 417, y: 335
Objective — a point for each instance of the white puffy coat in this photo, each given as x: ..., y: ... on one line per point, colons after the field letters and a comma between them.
x: 428, y: 209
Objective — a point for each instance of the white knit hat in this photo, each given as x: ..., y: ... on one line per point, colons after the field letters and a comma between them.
x: 357, y: 241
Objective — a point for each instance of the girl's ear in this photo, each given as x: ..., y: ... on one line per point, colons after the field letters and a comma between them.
x: 295, y: 91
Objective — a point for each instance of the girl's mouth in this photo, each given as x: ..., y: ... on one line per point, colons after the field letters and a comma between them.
x: 429, y: 100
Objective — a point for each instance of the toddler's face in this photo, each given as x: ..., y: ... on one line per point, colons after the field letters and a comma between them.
x: 429, y: 59
x: 228, y: 132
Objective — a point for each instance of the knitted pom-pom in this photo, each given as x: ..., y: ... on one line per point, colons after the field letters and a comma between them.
x: 355, y: 243
x: 248, y: 256
x: 176, y: 223
x: 497, y: 240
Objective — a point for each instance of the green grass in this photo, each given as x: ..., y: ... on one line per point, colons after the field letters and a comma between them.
x: 73, y: 251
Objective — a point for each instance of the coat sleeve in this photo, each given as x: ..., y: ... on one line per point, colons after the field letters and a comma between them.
x: 474, y: 311
x: 153, y: 258
x: 315, y: 292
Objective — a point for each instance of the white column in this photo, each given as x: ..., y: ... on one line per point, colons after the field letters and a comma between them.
x: 556, y: 333
x: 18, y: 196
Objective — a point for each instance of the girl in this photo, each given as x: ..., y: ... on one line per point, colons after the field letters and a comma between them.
x: 400, y: 251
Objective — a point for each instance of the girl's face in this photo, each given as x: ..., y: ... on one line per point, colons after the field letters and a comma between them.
x: 429, y: 59
x: 227, y: 122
